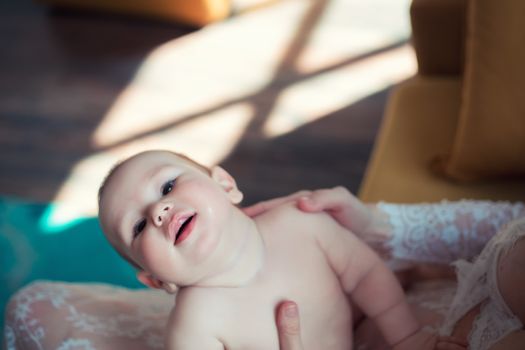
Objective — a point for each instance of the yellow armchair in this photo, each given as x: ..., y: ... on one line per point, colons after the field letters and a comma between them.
x: 192, y: 12
x: 457, y: 129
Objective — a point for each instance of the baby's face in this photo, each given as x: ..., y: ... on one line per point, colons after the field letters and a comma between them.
x: 165, y: 215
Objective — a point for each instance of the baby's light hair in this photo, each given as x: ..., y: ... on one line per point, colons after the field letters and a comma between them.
x: 117, y: 166
x: 106, y: 180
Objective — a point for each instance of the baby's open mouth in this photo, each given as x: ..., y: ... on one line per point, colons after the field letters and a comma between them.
x: 185, y: 229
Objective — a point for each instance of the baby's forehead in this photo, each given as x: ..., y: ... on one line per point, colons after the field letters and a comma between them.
x: 129, y: 176
x: 151, y: 159
x: 139, y: 168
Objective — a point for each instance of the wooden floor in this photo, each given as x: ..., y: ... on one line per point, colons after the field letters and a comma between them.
x: 61, y: 71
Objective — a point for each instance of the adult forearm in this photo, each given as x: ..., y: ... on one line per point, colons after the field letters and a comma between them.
x: 442, y: 232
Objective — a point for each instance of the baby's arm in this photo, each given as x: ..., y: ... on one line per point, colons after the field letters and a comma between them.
x: 367, y: 279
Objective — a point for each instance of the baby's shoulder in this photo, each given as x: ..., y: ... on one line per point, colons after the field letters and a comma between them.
x: 290, y: 213
x: 289, y: 218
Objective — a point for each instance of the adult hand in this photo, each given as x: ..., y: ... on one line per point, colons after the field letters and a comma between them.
x: 342, y: 205
x: 263, y: 206
x: 367, y: 221
x: 288, y: 326
x: 363, y: 220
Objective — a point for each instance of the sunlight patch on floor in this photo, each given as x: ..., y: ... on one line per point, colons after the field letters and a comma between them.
x: 193, y: 75
x: 322, y: 95
x: 198, y: 94
x: 206, y: 139
x: 349, y: 28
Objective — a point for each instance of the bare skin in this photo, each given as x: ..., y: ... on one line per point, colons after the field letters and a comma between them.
x: 181, y: 227
x: 344, y: 207
x: 314, y: 287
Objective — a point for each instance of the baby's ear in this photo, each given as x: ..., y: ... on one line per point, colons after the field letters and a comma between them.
x: 227, y: 182
x: 148, y: 280
x: 152, y: 282
x: 171, y: 288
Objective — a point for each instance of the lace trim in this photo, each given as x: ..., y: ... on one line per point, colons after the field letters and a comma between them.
x: 477, y: 283
x: 118, y: 315
x: 446, y: 231
x: 76, y: 344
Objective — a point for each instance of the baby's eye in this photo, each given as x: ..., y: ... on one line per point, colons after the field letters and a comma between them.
x: 139, y: 227
x: 167, y: 187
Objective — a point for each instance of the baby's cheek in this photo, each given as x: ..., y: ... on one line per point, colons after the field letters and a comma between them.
x: 213, y: 225
x: 213, y: 220
x: 152, y: 254
x: 205, y: 246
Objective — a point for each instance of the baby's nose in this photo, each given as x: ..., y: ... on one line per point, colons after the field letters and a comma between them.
x: 160, y: 213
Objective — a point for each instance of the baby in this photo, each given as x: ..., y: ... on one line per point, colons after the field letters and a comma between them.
x: 178, y: 223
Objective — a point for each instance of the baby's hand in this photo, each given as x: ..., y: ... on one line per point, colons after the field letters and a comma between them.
x: 421, y: 340
x: 450, y: 343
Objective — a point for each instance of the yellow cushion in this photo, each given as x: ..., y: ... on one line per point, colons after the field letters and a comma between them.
x: 490, y: 139
x: 438, y: 35
x: 419, y: 124
x: 192, y: 12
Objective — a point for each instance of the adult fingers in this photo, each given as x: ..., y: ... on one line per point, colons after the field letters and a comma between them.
x: 325, y: 200
x: 264, y: 206
x: 288, y: 326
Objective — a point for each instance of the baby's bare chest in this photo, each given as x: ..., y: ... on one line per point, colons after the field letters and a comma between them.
x: 302, y: 274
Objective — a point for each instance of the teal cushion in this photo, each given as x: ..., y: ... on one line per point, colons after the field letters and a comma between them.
x: 32, y: 248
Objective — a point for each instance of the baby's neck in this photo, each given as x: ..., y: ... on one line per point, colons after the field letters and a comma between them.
x: 246, y: 260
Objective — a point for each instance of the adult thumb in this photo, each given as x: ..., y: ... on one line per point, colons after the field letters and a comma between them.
x: 288, y: 326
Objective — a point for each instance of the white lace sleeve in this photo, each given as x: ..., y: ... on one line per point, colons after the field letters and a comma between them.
x: 446, y: 231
